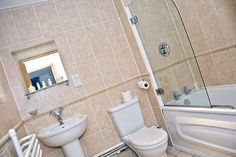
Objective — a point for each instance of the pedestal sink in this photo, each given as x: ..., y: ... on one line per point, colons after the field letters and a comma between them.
x: 66, y: 135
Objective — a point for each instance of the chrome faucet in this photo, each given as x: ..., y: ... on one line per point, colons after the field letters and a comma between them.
x: 176, y: 95
x: 187, y: 90
x: 57, y: 114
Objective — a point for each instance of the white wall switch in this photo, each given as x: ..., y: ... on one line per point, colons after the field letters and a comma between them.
x: 76, y: 80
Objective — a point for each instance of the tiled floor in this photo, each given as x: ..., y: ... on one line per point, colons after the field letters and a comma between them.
x: 171, y: 152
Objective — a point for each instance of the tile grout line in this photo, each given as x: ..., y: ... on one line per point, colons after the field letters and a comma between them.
x: 130, y: 46
x: 112, y: 51
x: 67, y: 41
x: 94, y: 56
x: 106, y: 89
x: 198, y: 19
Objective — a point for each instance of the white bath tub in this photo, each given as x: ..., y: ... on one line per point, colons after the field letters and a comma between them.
x: 206, y: 131
x: 219, y: 96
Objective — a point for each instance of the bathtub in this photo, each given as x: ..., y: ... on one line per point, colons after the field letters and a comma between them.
x: 203, y: 129
x: 220, y: 96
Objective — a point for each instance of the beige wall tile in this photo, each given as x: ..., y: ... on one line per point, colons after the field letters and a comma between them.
x: 68, y: 14
x: 200, y: 46
x: 128, y: 31
x: 93, y: 144
x: 195, y: 30
x: 57, y: 153
x: 119, y: 8
x: 8, y: 34
x: 149, y: 117
x: 110, y: 136
x: 225, y: 67
x: 135, y: 90
x: 126, y: 63
x: 226, y: 17
x: 48, y: 19
x: 219, y: 4
x: 116, y: 34
x: 26, y: 23
x: 90, y: 75
x: 187, y: 10
x: 100, y: 104
x: 115, y: 95
x: 99, y: 39
x: 106, y: 9
x: 213, y: 31
x: 159, y: 117
x: 36, y: 125
x: 79, y: 44
x: 7, y: 105
x: 109, y: 69
x: 138, y: 58
x: 73, y: 93
x: 203, y: 7
x: 208, y: 70
x: 88, y: 11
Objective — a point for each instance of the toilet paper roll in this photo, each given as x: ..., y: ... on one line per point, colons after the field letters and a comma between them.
x: 143, y: 84
x: 127, y: 96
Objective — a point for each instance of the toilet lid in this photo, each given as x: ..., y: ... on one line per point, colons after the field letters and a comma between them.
x: 147, y: 137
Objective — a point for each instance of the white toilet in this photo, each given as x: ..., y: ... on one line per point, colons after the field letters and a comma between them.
x: 128, y: 120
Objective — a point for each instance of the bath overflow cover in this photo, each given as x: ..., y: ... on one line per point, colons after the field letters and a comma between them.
x: 164, y: 49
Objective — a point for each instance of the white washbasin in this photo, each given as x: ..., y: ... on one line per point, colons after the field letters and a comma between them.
x: 65, y: 135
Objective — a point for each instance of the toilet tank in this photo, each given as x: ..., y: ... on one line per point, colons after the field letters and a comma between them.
x: 127, y: 117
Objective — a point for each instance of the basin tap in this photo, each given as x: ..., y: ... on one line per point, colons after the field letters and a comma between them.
x: 187, y: 90
x: 57, y: 114
x: 176, y: 95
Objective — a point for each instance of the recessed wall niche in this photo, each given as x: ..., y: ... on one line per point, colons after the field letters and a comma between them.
x: 40, y: 67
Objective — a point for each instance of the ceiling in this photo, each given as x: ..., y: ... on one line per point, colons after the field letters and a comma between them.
x: 5, y: 4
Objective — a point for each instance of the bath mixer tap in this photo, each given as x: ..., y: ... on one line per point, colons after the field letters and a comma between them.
x: 176, y: 95
x: 57, y: 114
x: 187, y: 90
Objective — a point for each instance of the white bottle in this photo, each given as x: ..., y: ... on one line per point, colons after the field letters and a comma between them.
x: 38, y: 86
x: 31, y: 89
x: 43, y: 84
x: 49, y: 82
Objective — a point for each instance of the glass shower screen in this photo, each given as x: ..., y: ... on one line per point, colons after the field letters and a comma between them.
x: 170, y: 54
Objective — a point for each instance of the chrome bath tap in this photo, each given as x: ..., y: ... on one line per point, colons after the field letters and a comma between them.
x: 57, y: 114
x: 187, y: 90
x: 176, y: 95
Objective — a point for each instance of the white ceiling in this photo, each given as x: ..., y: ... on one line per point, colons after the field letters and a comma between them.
x: 4, y: 4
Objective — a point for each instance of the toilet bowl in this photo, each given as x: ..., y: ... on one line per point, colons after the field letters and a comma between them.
x: 129, y: 123
x: 148, y: 142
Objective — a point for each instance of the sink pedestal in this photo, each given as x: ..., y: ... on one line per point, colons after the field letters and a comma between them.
x: 73, y: 149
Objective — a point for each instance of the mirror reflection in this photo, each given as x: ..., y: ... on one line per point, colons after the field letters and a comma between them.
x: 40, y: 67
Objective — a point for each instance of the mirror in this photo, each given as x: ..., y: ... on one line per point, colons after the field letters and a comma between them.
x: 40, y: 67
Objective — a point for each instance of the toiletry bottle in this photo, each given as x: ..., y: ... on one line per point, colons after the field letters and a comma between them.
x: 49, y: 82
x: 31, y: 89
x: 38, y: 86
x: 43, y: 84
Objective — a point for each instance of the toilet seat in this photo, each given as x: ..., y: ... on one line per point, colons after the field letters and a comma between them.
x: 147, y: 137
